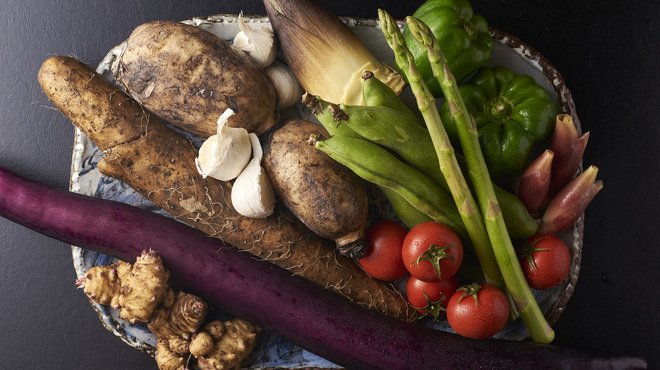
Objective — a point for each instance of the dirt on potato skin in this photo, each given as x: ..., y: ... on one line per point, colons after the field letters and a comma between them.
x: 325, y: 195
x: 158, y: 163
x: 188, y: 77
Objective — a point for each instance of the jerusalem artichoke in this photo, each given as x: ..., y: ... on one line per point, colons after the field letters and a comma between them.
x: 233, y: 343
x: 141, y: 293
x: 133, y: 290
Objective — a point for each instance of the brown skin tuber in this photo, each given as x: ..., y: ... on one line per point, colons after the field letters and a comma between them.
x: 101, y: 284
x: 159, y: 164
x: 188, y: 77
x: 166, y: 358
x: 201, y: 344
x: 176, y: 317
x: 135, y: 290
x: 179, y: 320
x: 174, y: 326
x: 143, y: 288
x: 231, y: 347
x: 326, y: 196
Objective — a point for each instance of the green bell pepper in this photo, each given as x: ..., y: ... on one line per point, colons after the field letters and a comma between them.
x: 462, y: 35
x: 513, y: 115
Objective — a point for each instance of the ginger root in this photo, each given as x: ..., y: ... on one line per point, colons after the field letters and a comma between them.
x: 141, y: 294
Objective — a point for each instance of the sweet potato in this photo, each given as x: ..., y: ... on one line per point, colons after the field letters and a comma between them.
x: 326, y: 196
x: 188, y: 77
x: 157, y: 162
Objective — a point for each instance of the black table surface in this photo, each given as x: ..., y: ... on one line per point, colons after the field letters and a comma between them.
x: 607, y: 51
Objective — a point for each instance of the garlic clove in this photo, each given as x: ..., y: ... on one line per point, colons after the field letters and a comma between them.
x: 257, y: 42
x: 289, y: 91
x: 224, y: 155
x: 252, y: 194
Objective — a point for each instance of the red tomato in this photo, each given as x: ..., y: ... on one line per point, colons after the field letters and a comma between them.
x: 478, y: 311
x: 383, y: 258
x: 545, y: 261
x: 432, y: 252
x: 430, y: 299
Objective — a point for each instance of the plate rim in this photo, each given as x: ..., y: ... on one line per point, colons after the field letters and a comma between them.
x: 515, y: 43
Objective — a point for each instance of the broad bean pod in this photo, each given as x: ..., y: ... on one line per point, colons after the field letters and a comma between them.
x: 394, y: 130
x: 329, y: 115
x: 325, y: 113
x: 377, y: 165
x: 376, y: 93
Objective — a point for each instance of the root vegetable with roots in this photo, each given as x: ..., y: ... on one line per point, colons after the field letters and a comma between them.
x: 159, y: 163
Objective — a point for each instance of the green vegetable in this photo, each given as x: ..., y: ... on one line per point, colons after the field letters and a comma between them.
x: 502, y: 246
x: 463, y: 36
x: 397, y: 131
x: 379, y: 166
x: 332, y: 118
x: 513, y: 115
x: 446, y: 159
x: 376, y: 93
x: 404, y: 210
x: 329, y: 115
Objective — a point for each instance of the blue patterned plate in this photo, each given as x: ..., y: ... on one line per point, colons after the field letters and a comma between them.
x: 272, y: 351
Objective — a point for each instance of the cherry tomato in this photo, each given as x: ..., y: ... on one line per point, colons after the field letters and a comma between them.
x: 478, y: 311
x: 545, y: 261
x: 432, y: 252
x: 383, y: 257
x: 430, y: 299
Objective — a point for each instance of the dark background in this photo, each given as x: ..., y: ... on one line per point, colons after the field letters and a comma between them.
x: 607, y: 51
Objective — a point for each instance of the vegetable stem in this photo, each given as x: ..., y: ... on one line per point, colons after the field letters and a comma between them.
x: 540, y: 331
x: 449, y: 166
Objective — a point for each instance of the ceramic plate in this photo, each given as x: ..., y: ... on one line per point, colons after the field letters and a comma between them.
x: 272, y: 351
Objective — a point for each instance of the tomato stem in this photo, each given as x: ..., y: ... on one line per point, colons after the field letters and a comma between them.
x: 528, y: 250
x: 434, y: 255
x: 470, y: 290
x: 432, y: 308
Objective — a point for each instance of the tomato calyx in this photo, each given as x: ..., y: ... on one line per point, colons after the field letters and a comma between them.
x: 469, y: 290
x: 528, y: 250
x: 434, y: 255
x: 432, y: 308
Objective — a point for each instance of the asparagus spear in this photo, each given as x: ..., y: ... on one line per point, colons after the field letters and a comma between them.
x: 501, y: 243
x: 449, y: 166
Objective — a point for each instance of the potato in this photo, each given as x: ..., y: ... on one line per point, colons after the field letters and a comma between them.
x: 189, y: 77
x: 325, y: 195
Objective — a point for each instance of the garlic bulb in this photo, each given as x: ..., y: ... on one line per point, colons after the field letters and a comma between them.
x: 252, y: 194
x: 224, y: 155
x: 289, y: 91
x: 257, y: 42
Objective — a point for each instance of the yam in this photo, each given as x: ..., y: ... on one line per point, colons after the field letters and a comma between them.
x: 158, y: 163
